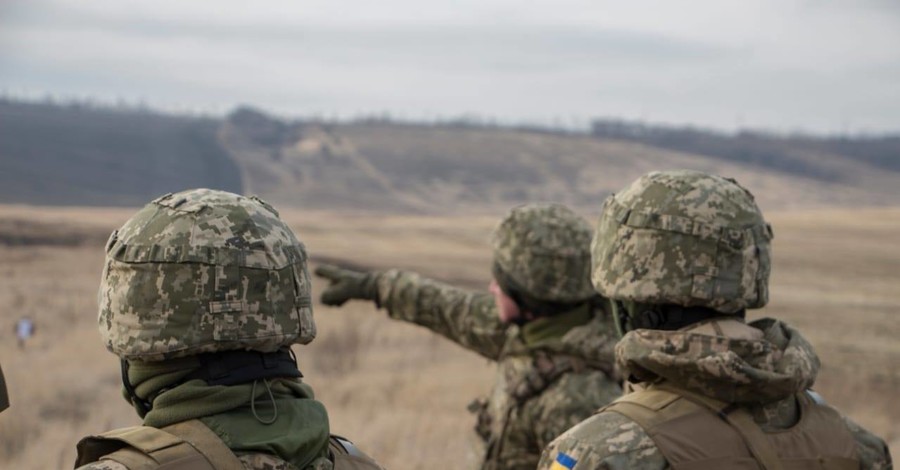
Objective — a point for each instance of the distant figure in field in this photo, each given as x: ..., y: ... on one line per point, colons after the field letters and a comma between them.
x: 24, y: 330
x: 682, y: 255
x: 541, y: 321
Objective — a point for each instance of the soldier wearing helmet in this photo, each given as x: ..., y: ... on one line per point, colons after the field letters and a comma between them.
x: 541, y: 322
x: 202, y: 295
x: 682, y: 255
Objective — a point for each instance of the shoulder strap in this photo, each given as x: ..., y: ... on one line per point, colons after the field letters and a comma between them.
x: 649, y: 408
x: 189, y: 445
x: 141, y: 448
x: 739, y: 419
x: 206, y: 442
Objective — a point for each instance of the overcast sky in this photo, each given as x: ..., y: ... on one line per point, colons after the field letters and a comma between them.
x: 814, y: 65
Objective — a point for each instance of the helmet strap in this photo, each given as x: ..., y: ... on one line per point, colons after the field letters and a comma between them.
x: 238, y: 367
x: 620, y: 317
x: 142, y: 406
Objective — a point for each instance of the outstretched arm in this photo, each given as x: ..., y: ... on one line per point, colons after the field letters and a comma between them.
x: 467, y: 318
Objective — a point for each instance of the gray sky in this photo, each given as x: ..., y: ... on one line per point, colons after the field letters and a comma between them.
x: 814, y: 65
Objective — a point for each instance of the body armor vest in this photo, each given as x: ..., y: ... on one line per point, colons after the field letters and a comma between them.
x: 546, y: 369
x: 190, y: 445
x: 694, y: 432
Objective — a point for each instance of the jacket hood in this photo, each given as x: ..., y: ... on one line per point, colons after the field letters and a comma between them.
x: 734, y: 370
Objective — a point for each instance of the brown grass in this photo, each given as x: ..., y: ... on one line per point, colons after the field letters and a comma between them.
x: 395, y: 389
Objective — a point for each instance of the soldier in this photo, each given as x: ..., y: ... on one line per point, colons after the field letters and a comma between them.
x: 202, y: 295
x: 541, y: 322
x: 682, y: 255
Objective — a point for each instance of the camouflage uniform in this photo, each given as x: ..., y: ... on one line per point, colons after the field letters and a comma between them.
x: 692, y: 243
x: 540, y: 389
x: 553, y: 371
x: 202, y: 295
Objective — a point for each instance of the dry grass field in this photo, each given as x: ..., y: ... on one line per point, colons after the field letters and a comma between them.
x: 397, y: 390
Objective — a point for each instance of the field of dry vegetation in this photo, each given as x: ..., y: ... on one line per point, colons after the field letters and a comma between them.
x: 397, y: 390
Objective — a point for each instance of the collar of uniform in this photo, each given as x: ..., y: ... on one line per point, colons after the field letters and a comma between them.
x: 544, y: 329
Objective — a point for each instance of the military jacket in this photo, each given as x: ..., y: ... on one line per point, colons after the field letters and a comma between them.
x: 761, y: 369
x: 541, y: 388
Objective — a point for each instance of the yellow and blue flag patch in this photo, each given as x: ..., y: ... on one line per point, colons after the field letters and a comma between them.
x: 563, y: 462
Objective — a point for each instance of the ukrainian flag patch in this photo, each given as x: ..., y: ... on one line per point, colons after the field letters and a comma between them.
x: 563, y: 462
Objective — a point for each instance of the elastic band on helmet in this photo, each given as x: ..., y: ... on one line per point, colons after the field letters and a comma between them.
x: 663, y: 317
x: 142, y: 406
x: 238, y: 367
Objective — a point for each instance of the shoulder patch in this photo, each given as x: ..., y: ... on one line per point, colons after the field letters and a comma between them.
x: 563, y: 461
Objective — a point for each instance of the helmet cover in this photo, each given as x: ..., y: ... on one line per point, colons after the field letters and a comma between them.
x: 203, y: 271
x: 685, y: 238
x: 545, y: 250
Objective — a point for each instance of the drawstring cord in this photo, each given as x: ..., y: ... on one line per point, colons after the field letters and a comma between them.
x: 271, y: 398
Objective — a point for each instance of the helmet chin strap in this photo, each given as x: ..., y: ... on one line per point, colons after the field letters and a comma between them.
x: 621, y: 318
x: 142, y: 406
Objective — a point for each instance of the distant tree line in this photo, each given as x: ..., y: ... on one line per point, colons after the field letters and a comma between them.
x: 790, y: 153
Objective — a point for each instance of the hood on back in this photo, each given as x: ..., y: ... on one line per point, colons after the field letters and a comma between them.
x: 733, y: 370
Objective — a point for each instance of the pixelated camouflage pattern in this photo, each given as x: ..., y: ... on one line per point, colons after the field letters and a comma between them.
x: 103, y: 465
x: 201, y: 271
x: 538, y: 393
x: 545, y: 249
x: 728, y: 369
x: 685, y: 238
x: 609, y: 440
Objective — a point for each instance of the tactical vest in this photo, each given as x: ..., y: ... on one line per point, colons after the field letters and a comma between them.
x: 694, y: 432
x: 546, y: 369
x: 189, y: 445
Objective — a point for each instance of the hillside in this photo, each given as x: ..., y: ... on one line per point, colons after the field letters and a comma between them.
x: 78, y: 155
x: 64, y: 155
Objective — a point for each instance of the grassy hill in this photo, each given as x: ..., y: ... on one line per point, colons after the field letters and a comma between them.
x: 52, y: 154
x: 71, y: 155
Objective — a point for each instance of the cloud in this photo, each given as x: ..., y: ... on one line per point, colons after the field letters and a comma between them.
x: 776, y: 64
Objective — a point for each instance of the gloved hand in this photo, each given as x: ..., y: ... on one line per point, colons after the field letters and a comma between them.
x: 346, y: 284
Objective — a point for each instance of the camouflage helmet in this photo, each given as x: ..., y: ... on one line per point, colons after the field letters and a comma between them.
x: 202, y: 271
x: 544, y: 250
x: 684, y: 238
